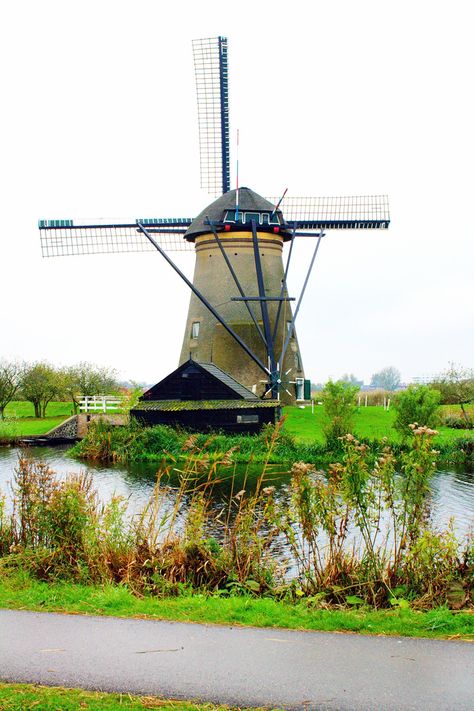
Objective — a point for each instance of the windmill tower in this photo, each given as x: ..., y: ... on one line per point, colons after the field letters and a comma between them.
x: 243, y: 258
x: 240, y: 316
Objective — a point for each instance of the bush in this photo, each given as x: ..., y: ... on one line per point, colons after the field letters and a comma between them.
x: 417, y: 404
x: 339, y: 408
x: 359, y: 533
x: 455, y: 422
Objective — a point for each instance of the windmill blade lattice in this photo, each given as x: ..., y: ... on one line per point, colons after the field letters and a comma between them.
x: 342, y: 212
x: 212, y: 88
x: 63, y: 238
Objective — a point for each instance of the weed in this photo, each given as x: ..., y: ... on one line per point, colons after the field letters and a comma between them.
x: 358, y: 534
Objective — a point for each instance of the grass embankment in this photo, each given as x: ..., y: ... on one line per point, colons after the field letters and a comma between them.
x: 20, y: 420
x: 23, y: 697
x: 19, y: 591
x: 358, y: 537
x: 302, y: 439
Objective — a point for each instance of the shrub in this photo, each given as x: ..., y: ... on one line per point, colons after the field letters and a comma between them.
x: 455, y: 422
x: 417, y: 404
x: 360, y: 533
x: 339, y: 408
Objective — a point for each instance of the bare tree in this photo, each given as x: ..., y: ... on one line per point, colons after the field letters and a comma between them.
x: 10, y: 379
x: 456, y: 386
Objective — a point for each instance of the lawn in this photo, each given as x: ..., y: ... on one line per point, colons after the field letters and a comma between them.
x: 372, y: 422
x: 20, y: 420
x: 21, y: 697
x: 20, y: 408
x: 25, y: 426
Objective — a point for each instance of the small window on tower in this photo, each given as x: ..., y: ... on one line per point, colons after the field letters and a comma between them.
x: 255, y: 216
x: 195, y: 329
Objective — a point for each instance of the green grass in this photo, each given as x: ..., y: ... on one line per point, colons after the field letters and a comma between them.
x: 19, y: 408
x: 20, y: 420
x: 22, y: 697
x: 20, y: 591
x: 24, y: 427
x: 371, y: 422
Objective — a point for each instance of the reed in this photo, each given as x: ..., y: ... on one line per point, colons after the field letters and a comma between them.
x: 356, y: 534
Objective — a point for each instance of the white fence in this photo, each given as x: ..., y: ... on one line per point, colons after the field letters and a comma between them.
x: 99, y: 403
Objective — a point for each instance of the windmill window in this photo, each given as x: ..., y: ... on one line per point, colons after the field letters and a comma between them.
x: 300, y: 388
x: 289, y: 326
x: 297, y: 361
x: 195, y: 329
x: 241, y: 419
x: 249, y: 216
x: 231, y: 216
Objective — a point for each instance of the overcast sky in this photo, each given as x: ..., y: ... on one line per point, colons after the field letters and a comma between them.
x: 331, y: 98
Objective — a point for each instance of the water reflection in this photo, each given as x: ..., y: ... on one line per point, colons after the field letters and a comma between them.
x: 452, y: 492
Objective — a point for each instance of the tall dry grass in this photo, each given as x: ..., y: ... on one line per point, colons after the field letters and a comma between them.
x: 359, y: 533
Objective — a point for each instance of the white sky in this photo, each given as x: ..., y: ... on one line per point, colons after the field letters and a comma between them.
x: 98, y: 119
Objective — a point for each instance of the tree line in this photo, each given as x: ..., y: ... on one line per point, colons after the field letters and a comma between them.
x: 41, y: 382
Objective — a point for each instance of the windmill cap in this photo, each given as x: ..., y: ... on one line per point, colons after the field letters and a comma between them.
x: 249, y: 201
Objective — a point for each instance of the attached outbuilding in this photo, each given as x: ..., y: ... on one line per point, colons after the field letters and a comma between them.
x: 202, y: 397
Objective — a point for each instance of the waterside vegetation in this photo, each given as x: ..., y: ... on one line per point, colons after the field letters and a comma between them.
x: 358, y: 535
x: 301, y: 438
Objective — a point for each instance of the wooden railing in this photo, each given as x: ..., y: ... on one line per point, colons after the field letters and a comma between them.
x: 99, y: 403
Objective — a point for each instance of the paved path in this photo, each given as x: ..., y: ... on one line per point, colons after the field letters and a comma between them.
x: 237, y: 666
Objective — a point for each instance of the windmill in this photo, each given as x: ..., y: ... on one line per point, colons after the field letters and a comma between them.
x: 240, y: 314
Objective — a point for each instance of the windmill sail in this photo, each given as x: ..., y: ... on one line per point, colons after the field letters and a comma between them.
x: 63, y: 238
x: 212, y: 89
x: 60, y: 238
x: 347, y: 212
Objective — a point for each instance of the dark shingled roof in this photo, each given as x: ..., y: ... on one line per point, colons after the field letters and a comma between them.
x: 248, y: 200
x: 228, y: 380
x: 216, y: 384
x: 180, y: 405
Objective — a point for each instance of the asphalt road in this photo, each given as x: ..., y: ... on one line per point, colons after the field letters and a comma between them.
x: 237, y: 666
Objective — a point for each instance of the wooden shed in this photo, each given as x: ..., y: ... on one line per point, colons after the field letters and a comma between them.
x: 202, y: 397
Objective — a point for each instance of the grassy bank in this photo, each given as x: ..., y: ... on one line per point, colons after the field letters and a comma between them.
x: 20, y: 591
x: 11, y: 430
x: 300, y: 439
x: 370, y: 423
x: 20, y: 420
x: 23, y: 697
x: 358, y: 536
